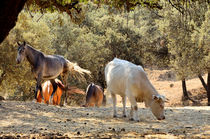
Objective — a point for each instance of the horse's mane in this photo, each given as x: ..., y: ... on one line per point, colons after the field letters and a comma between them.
x: 32, y: 48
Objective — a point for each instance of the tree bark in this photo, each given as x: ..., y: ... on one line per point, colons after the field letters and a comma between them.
x: 208, y: 88
x: 2, y: 77
x: 9, y: 10
x: 185, y: 94
x: 202, y: 81
x: 184, y: 88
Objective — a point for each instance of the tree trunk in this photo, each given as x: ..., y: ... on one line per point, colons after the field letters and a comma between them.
x: 9, y: 10
x: 185, y: 94
x: 202, y: 81
x: 208, y: 88
x: 2, y: 77
x: 184, y: 88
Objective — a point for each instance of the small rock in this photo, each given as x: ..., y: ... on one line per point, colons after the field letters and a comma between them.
x: 59, y: 134
x: 123, y: 129
x: 171, y: 85
x: 68, y: 119
x: 157, y: 130
x: 188, y: 127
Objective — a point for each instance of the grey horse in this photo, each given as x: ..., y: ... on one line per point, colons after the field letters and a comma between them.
x: 48, y: 67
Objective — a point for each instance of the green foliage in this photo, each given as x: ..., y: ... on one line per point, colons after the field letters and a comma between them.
x: 103, y: 36
x: 187, y: 58
x: 201, y: 38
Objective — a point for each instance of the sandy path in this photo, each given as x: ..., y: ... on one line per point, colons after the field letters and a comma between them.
x: 30, y: 119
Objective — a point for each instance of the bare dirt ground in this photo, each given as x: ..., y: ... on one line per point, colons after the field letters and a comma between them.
x: 33, y: 120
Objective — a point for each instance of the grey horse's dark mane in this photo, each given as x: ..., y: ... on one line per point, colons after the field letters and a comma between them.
x: 32, y: 48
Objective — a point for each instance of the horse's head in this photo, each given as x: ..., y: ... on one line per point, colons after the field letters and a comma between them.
x: 21, y: 52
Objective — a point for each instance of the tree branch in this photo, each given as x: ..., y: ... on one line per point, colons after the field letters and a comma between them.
x: 63, y: 8
x: 29, y: 11
x: 202, y: 81
x: 173, y: 5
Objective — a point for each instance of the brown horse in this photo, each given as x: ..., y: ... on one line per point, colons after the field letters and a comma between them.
x: 94, y: 96
x: 49, y: 67
x: 47, y: 89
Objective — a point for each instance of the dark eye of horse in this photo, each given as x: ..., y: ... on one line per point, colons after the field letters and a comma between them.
x: 21, y: 49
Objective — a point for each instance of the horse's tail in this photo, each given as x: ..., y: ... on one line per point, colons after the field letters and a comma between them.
x: 90, y: 92
x: 60, y: 84
x: 76, y: 71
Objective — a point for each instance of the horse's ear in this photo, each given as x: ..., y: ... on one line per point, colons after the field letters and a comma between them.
x: 24, y: 43
x: 18, y: 43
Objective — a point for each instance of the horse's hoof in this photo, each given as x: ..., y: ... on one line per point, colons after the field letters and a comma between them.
x: 115, y: 116
x: 124, y: 116
x: 131, y: 119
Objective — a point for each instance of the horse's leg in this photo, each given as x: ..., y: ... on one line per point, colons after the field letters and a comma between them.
x: 64, y: 94
x: 55, y: 86
x: 38, y: 86
x: 36, y: 92
x: 41, y: 92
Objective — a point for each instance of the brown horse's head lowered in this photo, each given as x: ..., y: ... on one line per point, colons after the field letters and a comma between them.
x: 94, y: 96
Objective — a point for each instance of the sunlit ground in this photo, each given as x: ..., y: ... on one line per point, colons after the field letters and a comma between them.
x: 33, y: 119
